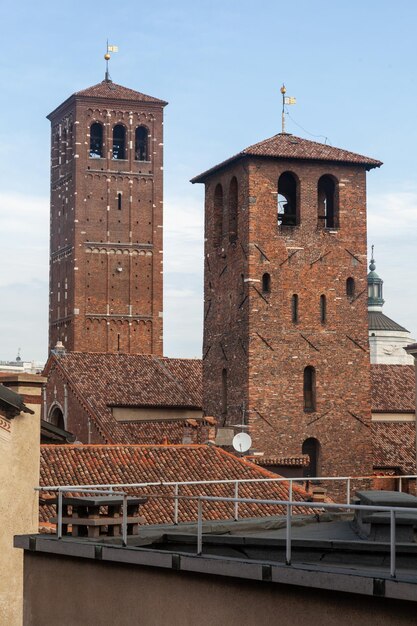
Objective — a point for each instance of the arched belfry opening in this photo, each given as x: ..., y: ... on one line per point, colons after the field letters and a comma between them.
x: 218, y: 215
x: 119, y: 142
x: 141, y: 144
x: 96, y: 141
x: 328, y: 204
x: 311, y: 446
x: 288, y: 209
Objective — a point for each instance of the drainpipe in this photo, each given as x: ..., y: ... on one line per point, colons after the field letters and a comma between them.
x: 65, y: 405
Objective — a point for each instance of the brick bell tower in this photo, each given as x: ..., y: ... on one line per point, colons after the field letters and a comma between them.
x: 286, y: 328
x: 106, y: 221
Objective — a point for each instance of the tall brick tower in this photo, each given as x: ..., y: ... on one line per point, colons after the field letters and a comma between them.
x: 286, y: 329
x: 106, y: 221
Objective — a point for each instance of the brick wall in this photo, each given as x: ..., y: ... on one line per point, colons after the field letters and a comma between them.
x: 106, y: 254
x: 252, y: 335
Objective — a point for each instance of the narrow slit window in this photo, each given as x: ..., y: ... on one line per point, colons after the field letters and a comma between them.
x: 119, y: 142
x: 233, y: 209
x: 350, y: 287
x: 323, y: 309
x: 327, y: 202
x: 141, y: 144
x: 294, y: 308
x: 218, y: 215
x: 96, y: 141
x: 311, y: 446
x: 266, y: 283
x: 309, y: 389
x: 119, y: 201
x: 288, y: 213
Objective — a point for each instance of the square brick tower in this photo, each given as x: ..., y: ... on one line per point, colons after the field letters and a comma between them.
x: 106, y: 221
x: 286, y: 327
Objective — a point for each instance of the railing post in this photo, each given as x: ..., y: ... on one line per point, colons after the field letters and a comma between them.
x: 392, y: 543
x: 124, y: 520
x: 288, y: 537
x: 236, y: 515
x: 176, y: 491
x: 200, y: 527
x: 290, y: 491
x: 59, y: 514
x: 348, y: 491
x: 400, y: 484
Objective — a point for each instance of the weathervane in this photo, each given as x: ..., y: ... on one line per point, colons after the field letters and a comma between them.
x: 286, y: 100
x: 107, y: 58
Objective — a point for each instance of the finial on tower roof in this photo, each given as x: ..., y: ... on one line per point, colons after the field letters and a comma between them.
x: 372, y: 265
x: 107, y: 59
x: 285, y: 101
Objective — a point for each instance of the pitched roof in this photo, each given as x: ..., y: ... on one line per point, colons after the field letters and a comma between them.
x: 109, y: 89
x: 103, y: 380
x: 286, y: 146
x: 394, y: 445
x: 393, y: 388
x: 104, y: 464
x: 378, y: 321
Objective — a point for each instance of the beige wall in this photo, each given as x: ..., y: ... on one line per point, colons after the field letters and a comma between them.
x: 77, y: 592
x: 19, y: 472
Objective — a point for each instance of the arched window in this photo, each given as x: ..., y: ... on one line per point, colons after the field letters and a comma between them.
x: 233, y: 209
x: 266, y: 283
x: 218, y: 216
x: 56, y: 417
x: 141, y: 144
x: 224, y: 391
x: 288, y: 213
x: 294, y: 308
x: 119, y: 201
x: 96, y: 141
x: 309, y: 389
x: 119, y: 142
x: 311, y: 446
x: 350, y: 287
x: 323, y: 309
x: 327, y: 202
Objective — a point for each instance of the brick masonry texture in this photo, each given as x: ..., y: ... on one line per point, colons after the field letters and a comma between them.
x: 76, y: 465
x: 251, y: 335
x: 394, y: 446
x: 393, y: 388
x: 106, y: 260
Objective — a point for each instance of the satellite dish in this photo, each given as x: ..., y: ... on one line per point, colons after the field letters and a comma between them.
x: 242, y: 442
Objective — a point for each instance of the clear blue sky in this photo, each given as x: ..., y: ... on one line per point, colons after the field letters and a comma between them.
x: 351, y: 66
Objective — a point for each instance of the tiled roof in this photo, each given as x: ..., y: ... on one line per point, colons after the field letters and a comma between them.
x: 378, y: 321
x: 393, y: 388
x: 394, y: 445
x: 302, y: 460
x: 102, y: 380
x: 108, y: 89
x: 286, y: 146
x: 104, y: 464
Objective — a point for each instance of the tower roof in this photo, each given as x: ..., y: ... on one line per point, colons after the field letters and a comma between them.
x: 379, y: 321
x: 286, y: 146
x: 109, y: 89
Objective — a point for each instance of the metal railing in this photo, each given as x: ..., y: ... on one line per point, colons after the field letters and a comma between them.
x: 287, y: 504
x: 176, y: 485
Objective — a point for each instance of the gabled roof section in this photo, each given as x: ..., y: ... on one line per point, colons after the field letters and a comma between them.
x: 105, y: 380
x: 393, y: 388
x: 124, y: 464
x: 286, y: 146
x: 109, y: 89
x: 12, y: 402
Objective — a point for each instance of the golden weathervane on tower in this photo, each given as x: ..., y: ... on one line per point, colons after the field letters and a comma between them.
x: 286, y: 100
x: 107, y: 59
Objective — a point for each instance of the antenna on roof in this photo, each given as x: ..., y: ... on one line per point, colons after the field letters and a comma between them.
x: 107, y: 58
x: 286, y: 100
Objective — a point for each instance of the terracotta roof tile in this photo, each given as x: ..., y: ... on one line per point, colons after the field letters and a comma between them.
x: 100, y: 464
x: 286, y: 146
x: 104, y: 380
x: 394, y: 446
x: 108, y: 89
x: 302, y: 460
x: 393, y: 388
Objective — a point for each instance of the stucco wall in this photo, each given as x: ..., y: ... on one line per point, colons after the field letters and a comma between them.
x: 77, y: 592
x: 19, y: 471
